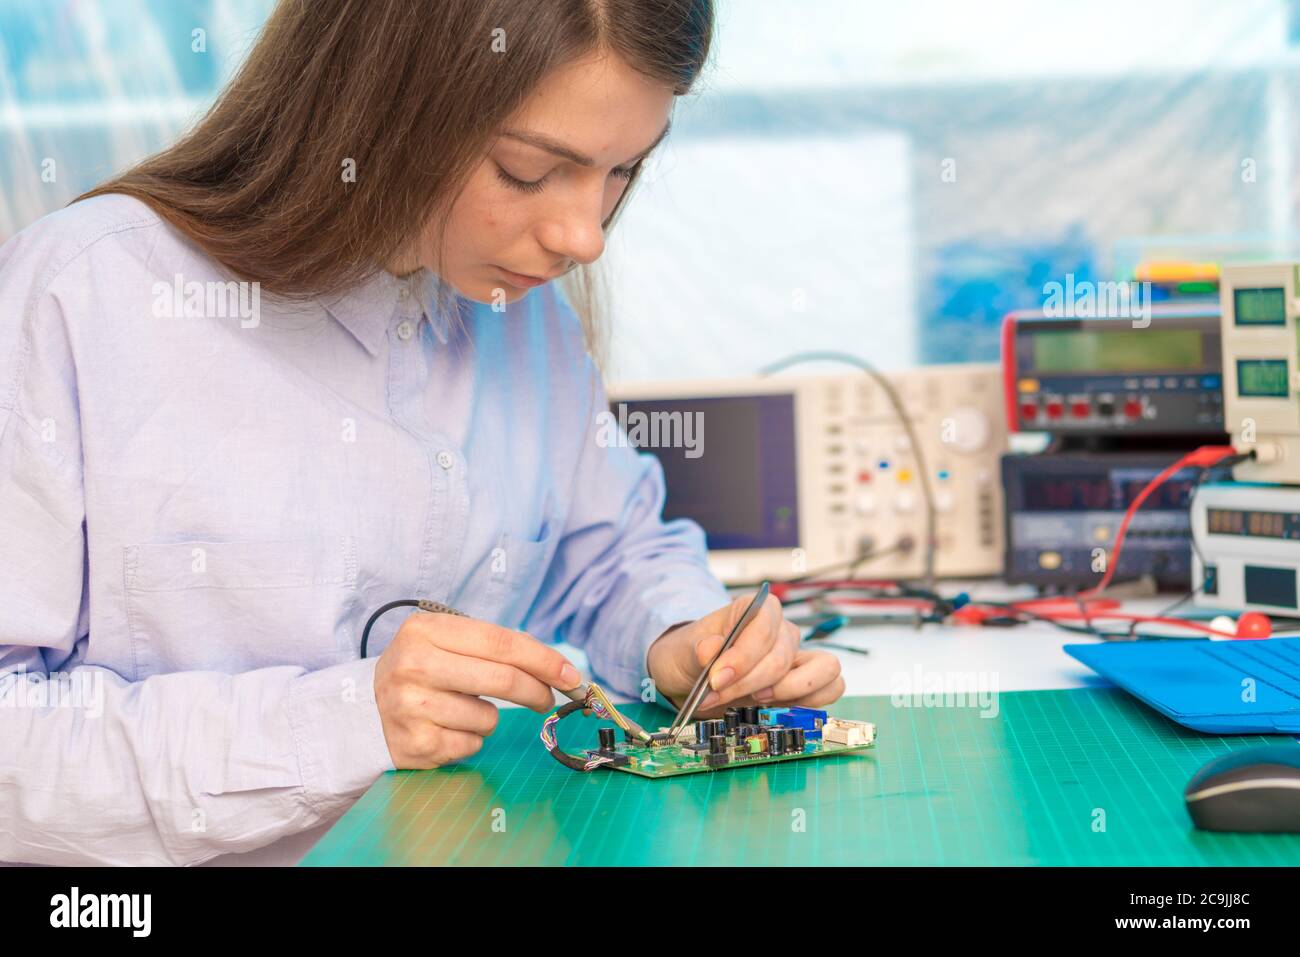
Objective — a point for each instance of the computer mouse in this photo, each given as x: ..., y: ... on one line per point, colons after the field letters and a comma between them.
x: 1254, y: 789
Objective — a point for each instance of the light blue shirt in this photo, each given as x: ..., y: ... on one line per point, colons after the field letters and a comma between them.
x: 199, y: 512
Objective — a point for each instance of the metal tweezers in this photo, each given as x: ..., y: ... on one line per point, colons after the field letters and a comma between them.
x: 701, y: 686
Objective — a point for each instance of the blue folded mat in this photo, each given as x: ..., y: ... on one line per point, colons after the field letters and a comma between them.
x: 1219, y: 687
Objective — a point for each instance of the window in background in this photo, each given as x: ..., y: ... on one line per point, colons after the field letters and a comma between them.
x: 88, y: 87
x: 883, y: 178
x: 740, y: 249
x: 1035, y: 140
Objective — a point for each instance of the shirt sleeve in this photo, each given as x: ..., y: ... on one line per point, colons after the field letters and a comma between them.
x: 621, y: 575
x: 173, y: 769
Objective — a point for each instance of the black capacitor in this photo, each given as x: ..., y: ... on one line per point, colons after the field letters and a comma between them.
x: 607, y: 739
x: 787, y: 740
x: 797, y: 741
x: 749, y: 714
x: 775, y: 741
x: 717, y: 744
x: 731, y: 718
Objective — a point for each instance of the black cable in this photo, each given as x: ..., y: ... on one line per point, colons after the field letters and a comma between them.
x: 838, y: 647
x: 568, y: 760
x: 1015, y: 615
x: 940, y: 609
x: 850, y: 565
x: 424, y: 604
x: 365, y: 632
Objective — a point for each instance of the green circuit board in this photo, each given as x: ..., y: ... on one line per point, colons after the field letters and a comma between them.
x: 827, y: 737
x: 672, y: 760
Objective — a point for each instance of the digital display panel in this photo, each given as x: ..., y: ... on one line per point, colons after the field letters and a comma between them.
x: 1263, y: 378
x: 1259, y: 307
x: 1252, y: 523
x: 1105, y: 493
x: 1265, y: 585
x: 1118, y: 350
x: 738, y: 478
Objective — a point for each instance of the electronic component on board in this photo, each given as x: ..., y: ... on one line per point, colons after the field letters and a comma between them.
x: 778, y: 734
x: 745, y: 735
x: 718, y: 755
x: 809, y: 720
x: 848, y: 733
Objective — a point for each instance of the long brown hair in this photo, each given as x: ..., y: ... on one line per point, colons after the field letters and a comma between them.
x: 410, y: 93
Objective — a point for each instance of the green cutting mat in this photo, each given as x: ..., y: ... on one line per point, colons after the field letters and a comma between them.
x: 942, y: 786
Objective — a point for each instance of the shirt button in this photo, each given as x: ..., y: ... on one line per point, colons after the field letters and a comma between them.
x: 404, y: 331
x: 445, y: 459
x: 404, y: 293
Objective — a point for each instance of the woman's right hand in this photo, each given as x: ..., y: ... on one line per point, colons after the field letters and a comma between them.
x: 431, y: 680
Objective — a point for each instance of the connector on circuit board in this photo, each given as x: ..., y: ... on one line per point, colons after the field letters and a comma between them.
x: 849, y: 733
x: 615, y: 758
x: 810, y: 720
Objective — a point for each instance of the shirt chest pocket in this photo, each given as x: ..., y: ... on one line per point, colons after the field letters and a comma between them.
x: 235, y: 606
x: 511, y: 576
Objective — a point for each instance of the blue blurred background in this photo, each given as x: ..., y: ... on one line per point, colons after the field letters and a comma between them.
x: 879, y: 177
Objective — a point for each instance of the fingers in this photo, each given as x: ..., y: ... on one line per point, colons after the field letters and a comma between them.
x: 819, y: 699
x: 706, y: 648
x: 462, y: 712
x: 814, y: 680
x: 430, y: 695
x: 471, y: 675
x: 769, y: 670
x: 431, y: 746
x: 751, y: 646
x: 479, y: 639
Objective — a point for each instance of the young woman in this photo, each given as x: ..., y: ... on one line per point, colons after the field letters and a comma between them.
x: 309, y: 360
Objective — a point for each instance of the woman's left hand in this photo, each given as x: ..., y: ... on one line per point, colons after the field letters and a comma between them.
x: 763, y: 666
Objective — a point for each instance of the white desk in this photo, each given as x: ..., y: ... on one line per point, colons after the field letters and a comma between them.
x: 1023, y: 658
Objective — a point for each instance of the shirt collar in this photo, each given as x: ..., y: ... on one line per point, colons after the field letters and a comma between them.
x: 366, y: 308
